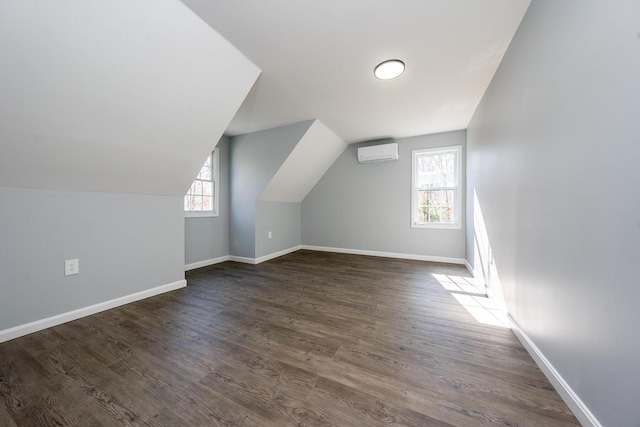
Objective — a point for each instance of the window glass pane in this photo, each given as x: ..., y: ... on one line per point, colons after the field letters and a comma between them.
x: 207, y: 188
x: 196, y: 203
x: 423, y: 206
x: 205, y: 173
x: 207, y: 204
x: 197, y: 187
x: 186, y: 203
x: 436, y: 170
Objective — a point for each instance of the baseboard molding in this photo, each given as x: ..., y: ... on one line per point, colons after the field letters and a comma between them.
x: 567, y: 394
x: 38, y: 325
x: 385, y: 254
x: 278, y: 254
x: 242, y: 259
x: 264, y: 258
x: 268, y: 257
x: 206, y: 263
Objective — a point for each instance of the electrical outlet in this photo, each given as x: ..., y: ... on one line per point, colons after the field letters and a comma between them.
x: 269, y: 235
x: 71, y: 267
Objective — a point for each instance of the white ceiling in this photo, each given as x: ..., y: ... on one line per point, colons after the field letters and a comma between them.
x: 317, y: 61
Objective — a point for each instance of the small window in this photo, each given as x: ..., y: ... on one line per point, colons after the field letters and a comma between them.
x: 435, y: 198
x: 202, y: 197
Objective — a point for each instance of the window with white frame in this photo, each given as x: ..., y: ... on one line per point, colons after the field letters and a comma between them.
x: 202, y: 197
x: 435, y: 198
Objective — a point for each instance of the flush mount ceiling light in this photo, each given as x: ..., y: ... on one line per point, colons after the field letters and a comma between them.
x: 389, y: 69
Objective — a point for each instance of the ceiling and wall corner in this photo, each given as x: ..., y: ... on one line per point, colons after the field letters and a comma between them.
x: 114, y: 96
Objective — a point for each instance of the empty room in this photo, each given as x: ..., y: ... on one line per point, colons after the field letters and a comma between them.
x: 336, y: 213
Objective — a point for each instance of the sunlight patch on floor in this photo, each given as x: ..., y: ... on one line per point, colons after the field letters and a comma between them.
x: 471, y: 294
x: 460, y: 284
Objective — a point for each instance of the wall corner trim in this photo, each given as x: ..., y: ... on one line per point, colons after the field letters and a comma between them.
x: 429, y: 258
x: 206, y: 263
x: 577, y: 406
x: 38, y: 325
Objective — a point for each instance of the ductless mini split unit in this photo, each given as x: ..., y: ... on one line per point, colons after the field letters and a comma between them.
x: 378, y: 153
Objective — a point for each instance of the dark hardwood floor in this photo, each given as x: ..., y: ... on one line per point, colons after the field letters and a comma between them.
x: 310, y: 338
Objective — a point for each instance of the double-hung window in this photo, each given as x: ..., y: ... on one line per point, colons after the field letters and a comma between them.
x: 435, y: 198
x: 202, y: 197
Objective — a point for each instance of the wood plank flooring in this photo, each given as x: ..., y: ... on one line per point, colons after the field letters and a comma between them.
x: 307, y: 339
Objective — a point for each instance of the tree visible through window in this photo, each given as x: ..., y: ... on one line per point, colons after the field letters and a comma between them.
x: 202, y: 195
x: 436, y: 192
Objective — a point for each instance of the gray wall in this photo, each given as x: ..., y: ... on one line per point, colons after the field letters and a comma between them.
x: 125, y: 244
x: 207, y: 238
x: 255, y: 158
x: 368, y: 206
x: 553, y: 154
x: 283, y: 220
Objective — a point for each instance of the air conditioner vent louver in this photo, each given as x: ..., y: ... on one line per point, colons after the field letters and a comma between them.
x: 378, y: 153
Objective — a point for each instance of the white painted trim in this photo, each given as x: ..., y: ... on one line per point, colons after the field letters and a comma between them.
x: 277, y: 254
x: 577, y: 406
x: 206, y: 262
x: 242, y: 259
x: 470, y: 268
x: 38, y: 325
x: 385, y: 254
x: 264, y: 258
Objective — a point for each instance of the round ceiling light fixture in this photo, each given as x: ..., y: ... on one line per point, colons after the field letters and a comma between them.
x: 390, y: 69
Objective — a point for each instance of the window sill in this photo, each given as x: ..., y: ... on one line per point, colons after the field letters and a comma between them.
x: 438, y: 226
x: 210, y: 214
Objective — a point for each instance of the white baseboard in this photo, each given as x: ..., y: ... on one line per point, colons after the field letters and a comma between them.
x: 206, y: 263
x: 38, y: 325
x: 567, y: 394
x: 242, y: 259
x: 264, y: 258
x: 278, y: 254
x: 385, y: 254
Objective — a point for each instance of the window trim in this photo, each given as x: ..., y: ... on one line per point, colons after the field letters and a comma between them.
x: 216, y: 190
x: 457, y: 224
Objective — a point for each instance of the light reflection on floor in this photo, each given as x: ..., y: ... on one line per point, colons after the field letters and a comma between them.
x: 471, y: 294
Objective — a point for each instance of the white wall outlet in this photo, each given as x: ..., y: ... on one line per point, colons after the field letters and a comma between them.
x: 71, y: 267
x: 269, y: 235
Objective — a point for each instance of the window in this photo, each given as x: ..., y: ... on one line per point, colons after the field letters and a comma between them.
x: 202, y: 197
x: 435, y: 198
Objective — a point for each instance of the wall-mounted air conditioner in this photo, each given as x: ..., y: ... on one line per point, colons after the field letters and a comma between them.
x: 378, y: 153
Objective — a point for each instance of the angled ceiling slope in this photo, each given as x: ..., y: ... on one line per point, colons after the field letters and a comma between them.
x: 114, y: 96
x: 316, y: 151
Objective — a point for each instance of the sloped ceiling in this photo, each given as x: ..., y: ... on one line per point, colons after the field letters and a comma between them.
x: 316, y: 151
x: 318, y: 57
x: 117, y: 96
